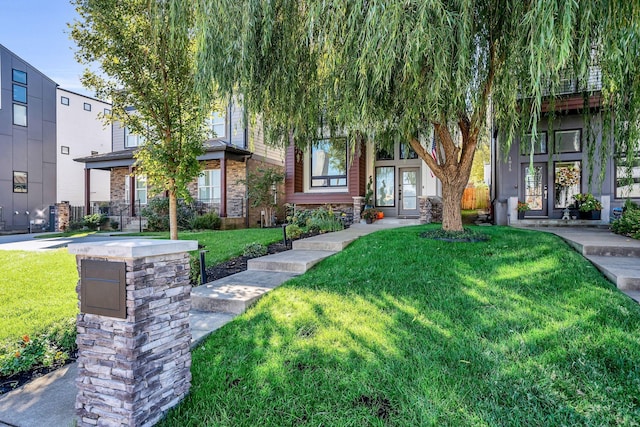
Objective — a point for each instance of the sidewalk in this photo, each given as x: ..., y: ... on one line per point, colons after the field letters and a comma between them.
x: 50, y: 400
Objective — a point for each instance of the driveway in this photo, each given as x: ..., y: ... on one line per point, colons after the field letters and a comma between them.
x: 28, y: 242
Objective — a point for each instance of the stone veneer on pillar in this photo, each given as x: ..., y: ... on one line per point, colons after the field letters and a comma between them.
x: 131, y: 371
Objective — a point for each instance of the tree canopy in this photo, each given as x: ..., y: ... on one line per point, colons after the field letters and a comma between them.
x: 402, y: 70
x: 145, y: 54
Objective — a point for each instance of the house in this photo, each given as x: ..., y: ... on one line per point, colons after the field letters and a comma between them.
x: 561, y: 166
x: 236, y: 147
x: 81, y: 131
x: 27, y: 143
x: 329, y: 172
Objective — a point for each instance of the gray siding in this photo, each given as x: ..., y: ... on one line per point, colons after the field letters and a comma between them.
x: 117, y: 137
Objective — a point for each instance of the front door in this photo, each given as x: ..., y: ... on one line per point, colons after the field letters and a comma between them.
x: 408, y: 191
x: 535, y: 188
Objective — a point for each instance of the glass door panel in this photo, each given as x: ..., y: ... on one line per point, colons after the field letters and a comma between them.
x: 535, y: 188
x: 409, y: 184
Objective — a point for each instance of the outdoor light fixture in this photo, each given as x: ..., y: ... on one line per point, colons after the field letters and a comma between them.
x: 26, y: 212
x: 17, y: 213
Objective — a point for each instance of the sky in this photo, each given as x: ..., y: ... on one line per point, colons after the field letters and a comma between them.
x: 36, y: 31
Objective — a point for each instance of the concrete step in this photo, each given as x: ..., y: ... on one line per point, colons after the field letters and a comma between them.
x: 204, y: 323
x: 623, y: 271
x: 294, y: 261
x: 234, y: 294
x: 327, y: 242
x: 612, y: 251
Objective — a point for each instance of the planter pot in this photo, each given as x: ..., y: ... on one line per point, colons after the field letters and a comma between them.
x: 589, y: 215
x: 369, y: 221
x: 520, y: 214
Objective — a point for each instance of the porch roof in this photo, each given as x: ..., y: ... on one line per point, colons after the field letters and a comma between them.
x: 214, y: 149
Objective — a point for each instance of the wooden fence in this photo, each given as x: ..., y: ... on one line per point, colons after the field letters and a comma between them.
x: 475, y: 198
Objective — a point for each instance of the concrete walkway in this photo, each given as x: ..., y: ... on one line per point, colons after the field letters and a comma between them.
x: 50, y: 400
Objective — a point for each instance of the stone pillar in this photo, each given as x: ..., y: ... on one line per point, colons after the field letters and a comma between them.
x: 436, y: 208
x: 132, y: 369
x: 358, y: 203
x: 425, y: 209
x: 62, y: 216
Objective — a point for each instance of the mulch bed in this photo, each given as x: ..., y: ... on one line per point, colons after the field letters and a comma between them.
x: 10, y: 383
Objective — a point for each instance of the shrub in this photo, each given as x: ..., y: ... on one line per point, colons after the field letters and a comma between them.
x: 194, y: 269
x: 114, y: 225
x: 75, y: 225
x: 323, y: 220
x: 157, y: 214
x: 628, y: 224
x: 254, y: 250
x: 293, y: 231
x: 93, y: 221
x: 208, y: 221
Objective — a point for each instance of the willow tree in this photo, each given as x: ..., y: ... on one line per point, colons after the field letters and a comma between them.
x: 404, y: 70
x: 145, y: 56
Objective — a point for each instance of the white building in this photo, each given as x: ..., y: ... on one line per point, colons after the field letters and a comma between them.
x: 81, y: 132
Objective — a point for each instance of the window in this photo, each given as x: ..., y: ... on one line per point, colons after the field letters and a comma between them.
x: 87, y: 106
x: 93, y: 153
x: 209, y: 186
x: 216, y: 125
x: 140, y: 190
x: 20, y: 93
x: 20, y: 182
x: 64, y: 100
x: 567, y: 183
x: 19, y: 115
x: 19, y: 77
x: 627, y: 179
x: 385, y: 185
x: 383, y: 154
x: 329, y: 163
x: 132, y: 139
x: 407, y: 152
x: 568, y: 141
x: 539, y: 146
x: 64, y: 149
x: 107, y: 111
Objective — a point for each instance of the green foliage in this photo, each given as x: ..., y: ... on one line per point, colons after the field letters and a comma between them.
x: 114, y: 224
x: 146, y: 59
x: 370, y: 214
x: 323, y: 220
x: 260, y: 190
x: 194, y: 269
x: 157, y: 214
x: 93, y: 221
x: 586, y: 202
x: 293, y: 231
x: 298, y: 217
x: 628, y: 224
x: 400, y: 71
x: 368, y: 195
x: 208, y: 221
x: 520, y: 331
x: 254, y: 250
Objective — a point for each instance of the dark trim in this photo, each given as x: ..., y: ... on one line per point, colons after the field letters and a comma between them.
x: 87, y: 191
x: 223, y: 188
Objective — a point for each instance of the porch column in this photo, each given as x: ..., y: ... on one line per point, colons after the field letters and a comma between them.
x: 132, y: 193
x: 87, y: 191
x: 223, y: 187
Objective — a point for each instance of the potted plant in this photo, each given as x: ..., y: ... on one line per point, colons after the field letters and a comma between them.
x: 588, y: 206
x: 522, y: 208
x: 368, y: 195
x: 370, y: 215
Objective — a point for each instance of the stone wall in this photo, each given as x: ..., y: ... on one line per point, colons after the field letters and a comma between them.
x: 436, y: 208
x: 132, y: 370
x: 62, y: 216
x: 425, y: 209
x: 118, y: 176
x: 236, y: 190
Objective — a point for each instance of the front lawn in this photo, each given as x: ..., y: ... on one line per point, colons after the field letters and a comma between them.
x: 401, y: 330
x: 224, y: 245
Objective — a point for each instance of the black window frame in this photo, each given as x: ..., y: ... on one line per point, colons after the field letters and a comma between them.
x: 524, y: 152
x: 15, y: 86
x: 556, y: 145
x: 616, y: 160
x: 64, y: 149
x: 63, y: 99
x: 86, y: 106
x: 329, y: 178
x: 15, y: 72
x: 26, y: 114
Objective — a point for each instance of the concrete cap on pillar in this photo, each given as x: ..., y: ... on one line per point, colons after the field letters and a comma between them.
x: 133, y: 248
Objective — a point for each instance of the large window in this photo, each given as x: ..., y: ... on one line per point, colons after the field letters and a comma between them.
x: 627, y: 178
x: 385, y: 185
x: 20, y: 93
x: 20, y: 182
x: 539, y: 146
x: 567, y: 183
x: 132, y: 139
x: 209, y: 186
x: 216, y: 125
x: 19, y: 115
x: 140, y: 190
x: 407, y: 152
x: 568, y: 141
x: 329, y: 163
x: 19, y: 97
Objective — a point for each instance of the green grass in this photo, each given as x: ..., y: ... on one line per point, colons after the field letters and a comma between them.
x: 75, y: 233
x: 224, y: 245
x: 400, y: 330
x: 36, y: 290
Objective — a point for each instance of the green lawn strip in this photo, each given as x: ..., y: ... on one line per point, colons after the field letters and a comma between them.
x: 76, y: 233
x: 224, y: 245
x: 400, y: 330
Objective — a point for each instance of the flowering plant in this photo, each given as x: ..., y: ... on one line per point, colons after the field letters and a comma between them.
x: 567, y: 176
x: 523, y: 206
x: 585, y: 202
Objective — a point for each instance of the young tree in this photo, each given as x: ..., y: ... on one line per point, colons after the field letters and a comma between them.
x: 145, y: 54
x: 404, y: 69
x: 262, y: 186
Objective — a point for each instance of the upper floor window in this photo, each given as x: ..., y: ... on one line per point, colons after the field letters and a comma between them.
x: 20, y: 93
x: 568, y: 141
x: 64, y: 100
x: 209, y: 186
x: 107, y: 111
x: 216, y: 124
x: 407, y: 152
x: 19, y: 115
x: 87, y: 106
x: 132, y: 139
x: 539, y: 145
x: 627, y: 180
x: 19, y: 76
x: 20, y: 182
x: 329, y: 163
x: 64, y: 149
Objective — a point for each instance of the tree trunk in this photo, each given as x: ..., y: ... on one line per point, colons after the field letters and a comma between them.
x: 173, y: 215
x: 451, y: 206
